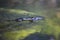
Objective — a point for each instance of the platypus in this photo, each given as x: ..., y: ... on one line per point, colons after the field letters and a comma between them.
x: 31, y: 19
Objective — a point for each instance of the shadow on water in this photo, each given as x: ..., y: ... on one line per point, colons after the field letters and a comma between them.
x: 2, y: 38
x: 38, y: 36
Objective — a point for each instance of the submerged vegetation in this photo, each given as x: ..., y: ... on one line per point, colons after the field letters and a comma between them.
x: 19, y: 30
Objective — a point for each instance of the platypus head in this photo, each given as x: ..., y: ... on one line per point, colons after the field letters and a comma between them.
x: 38, y: 18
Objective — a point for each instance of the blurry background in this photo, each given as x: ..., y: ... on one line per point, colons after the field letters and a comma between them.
x: 48, y: 29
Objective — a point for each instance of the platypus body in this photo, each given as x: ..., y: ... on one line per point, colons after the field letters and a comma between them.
x: 31, y: 19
